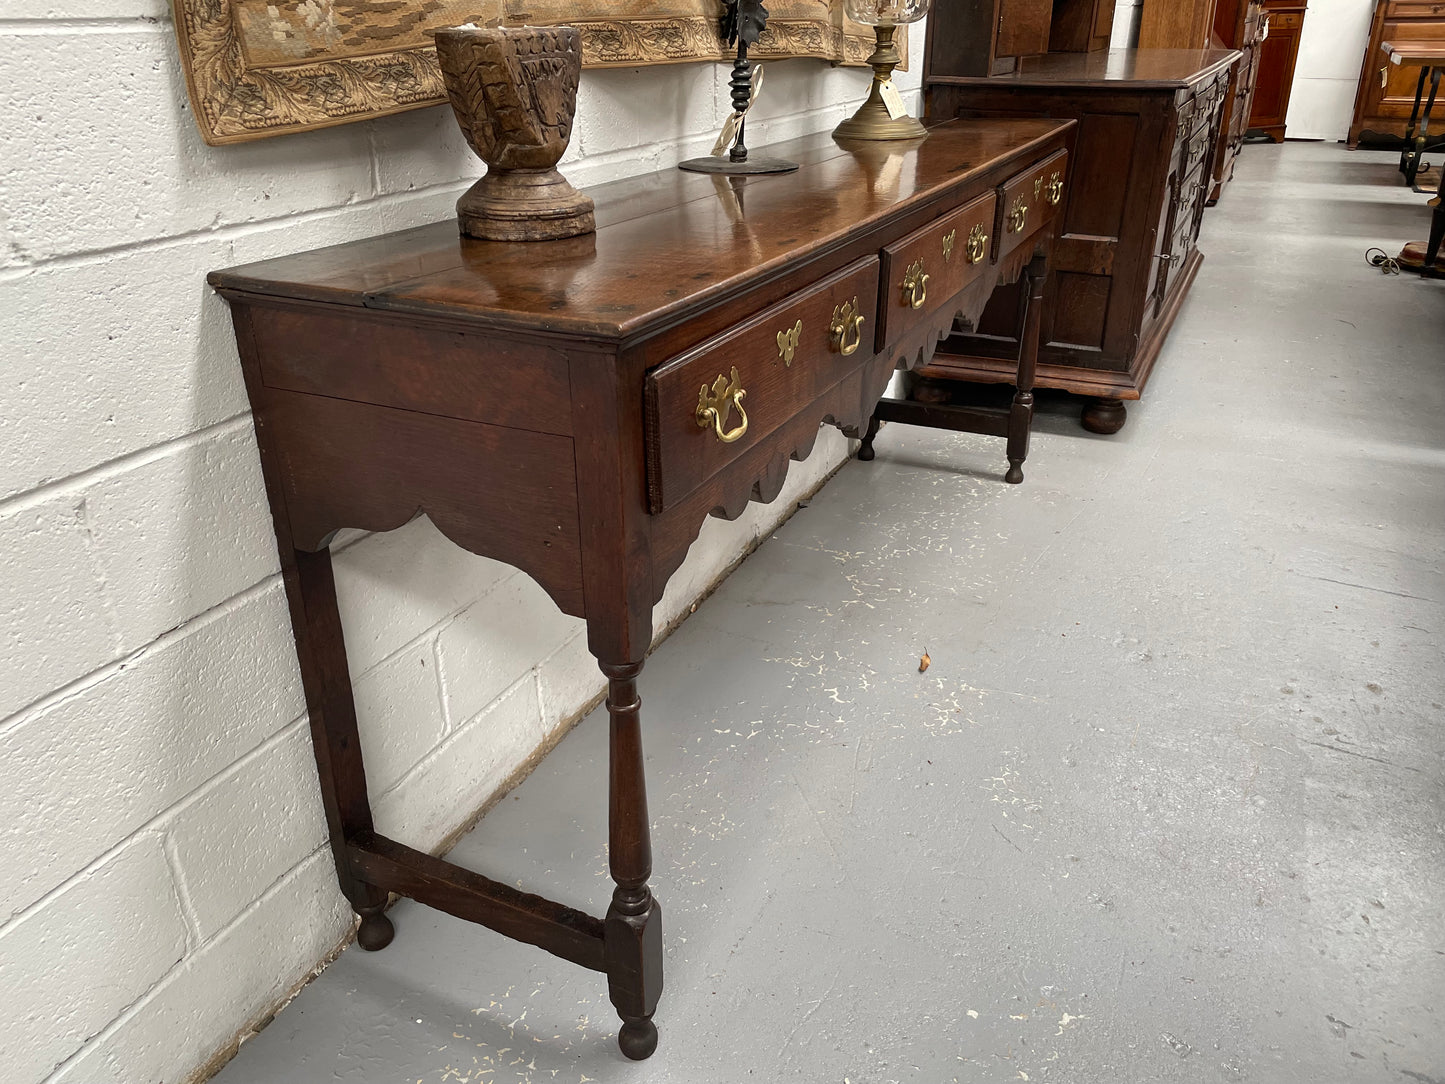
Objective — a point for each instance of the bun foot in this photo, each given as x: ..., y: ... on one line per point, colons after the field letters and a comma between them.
x: 376, y: 930
x: 638, y: 1039
x: 1106, y: 416
x: 1015, y: 473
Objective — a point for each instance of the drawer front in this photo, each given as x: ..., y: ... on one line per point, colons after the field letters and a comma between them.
x: 931, y: 265
x: 711, y: 404
x: 1198, y: 110
x: 1030, y: 202
x: 1197, y: 148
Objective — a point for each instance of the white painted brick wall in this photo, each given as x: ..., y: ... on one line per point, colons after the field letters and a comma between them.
x: 166, y: 878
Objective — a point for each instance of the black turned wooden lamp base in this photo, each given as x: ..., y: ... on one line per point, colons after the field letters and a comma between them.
x: 748, y: 166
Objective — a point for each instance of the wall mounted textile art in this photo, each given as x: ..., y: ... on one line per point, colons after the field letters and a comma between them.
x: 258, y: 68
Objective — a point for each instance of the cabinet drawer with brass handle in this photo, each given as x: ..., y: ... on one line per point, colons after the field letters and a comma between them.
x: 704, y: 407
x: 1030, y: 201
x: 932, y: 264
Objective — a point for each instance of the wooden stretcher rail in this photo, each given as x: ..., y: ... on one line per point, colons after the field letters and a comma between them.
x: 561, y: 930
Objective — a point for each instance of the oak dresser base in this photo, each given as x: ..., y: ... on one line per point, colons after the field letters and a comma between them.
x: 577, y: 408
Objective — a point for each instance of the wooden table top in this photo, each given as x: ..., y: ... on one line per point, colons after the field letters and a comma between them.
x: 666, y: 242
x: 1422, y: 53
x: 1153, y: 68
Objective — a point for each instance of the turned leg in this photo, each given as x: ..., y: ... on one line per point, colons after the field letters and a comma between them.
x: 1407, y: 154
x: 1021, y: 411
x: 1437, y: 226
x: 1104, y: 416
x: 311, y: 591
x: 866, y: 452
x: 1424, y: 136
x: 632, y: 938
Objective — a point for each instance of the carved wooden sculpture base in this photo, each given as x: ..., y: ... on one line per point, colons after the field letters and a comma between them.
x: 524, y: 205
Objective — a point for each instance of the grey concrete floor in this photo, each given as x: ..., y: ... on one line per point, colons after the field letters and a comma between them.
x: 1167, y: 806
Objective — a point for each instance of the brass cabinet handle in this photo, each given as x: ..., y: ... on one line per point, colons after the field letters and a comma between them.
x: 846, y: 328
x: 1384, y: 77
x: 977, y: 244
x: 714, y: 405
x: 788, y: 343
x: 1017, y: 215
x: 1055, y: 191
x: 915, y: 285
x: 948, y: 240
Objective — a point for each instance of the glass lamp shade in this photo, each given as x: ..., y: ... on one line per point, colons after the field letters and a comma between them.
x: 885, y: 12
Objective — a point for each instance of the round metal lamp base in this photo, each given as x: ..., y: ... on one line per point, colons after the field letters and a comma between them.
x: 724, y: 164
x: 873, y: 122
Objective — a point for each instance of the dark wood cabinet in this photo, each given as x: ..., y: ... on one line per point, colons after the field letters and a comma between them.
x: 1081, y: 26
x: 1176, y: 24
x: 1238, y: 24
x: 1386, y: 92
x: 987, y: 37
x: 1149, y: 123
x: 1284, y: 20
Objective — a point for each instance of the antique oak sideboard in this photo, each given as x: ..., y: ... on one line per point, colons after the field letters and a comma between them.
x: 577, y: 408
x: 1149, y: 121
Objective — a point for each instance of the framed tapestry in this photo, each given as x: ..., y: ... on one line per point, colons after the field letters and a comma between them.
x: 258, y: 68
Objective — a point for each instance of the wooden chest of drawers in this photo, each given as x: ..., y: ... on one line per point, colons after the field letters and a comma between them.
x: 1149, y: 122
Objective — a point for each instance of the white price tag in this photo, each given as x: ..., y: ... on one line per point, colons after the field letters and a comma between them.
x: 892, y: 100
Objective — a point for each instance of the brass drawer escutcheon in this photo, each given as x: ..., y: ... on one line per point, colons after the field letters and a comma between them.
x: 713, y: 407
x: 846, y: 328
x: 977, y: 244
x: 915, y: 285
x: 948, y: 239
x: 1017, y: 215
x: 788, y: 343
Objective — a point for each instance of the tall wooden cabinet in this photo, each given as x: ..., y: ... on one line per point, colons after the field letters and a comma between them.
x: 1387, y: 92
x: 1238, y: 24
x: 1149, y: 123
x: 1081, y: 26
x: 1284, y: 20
x: 1176, y: 24
x: 987, y: 37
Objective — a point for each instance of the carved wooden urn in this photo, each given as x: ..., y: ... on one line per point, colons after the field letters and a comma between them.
x: 514, y: 93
